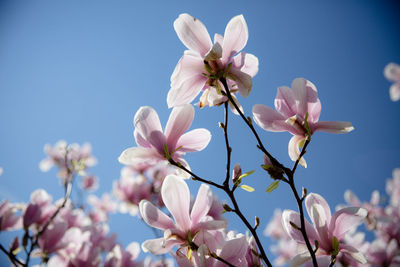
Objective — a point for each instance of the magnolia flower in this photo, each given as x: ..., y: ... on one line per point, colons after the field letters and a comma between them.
x: 90, y: 183
x: 204, y: 63
x: 154, y: 145
x: 298, y: 113
x: 392, y: 73
x: 188, y: 226
x: 70, y: 159
x: 373, y: 208
x: 118, y: 257
x: 9, y: 219
x: 381, y: 253
x: 327, y: 230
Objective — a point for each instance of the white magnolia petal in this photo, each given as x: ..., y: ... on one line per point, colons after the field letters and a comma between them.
x: 179, y: 121
x: 235, y: 36
x: 193, y: 33
x: 176, y: 197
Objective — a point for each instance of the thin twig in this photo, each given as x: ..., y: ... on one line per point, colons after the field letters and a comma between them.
x: 300, y: 204
x: 228, y: 148
x: 289, y: 172
x: 194, y: 176
x: 11, y: 256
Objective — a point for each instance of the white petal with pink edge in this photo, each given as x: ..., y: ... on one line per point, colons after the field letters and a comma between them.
x: 193, y: 34
x: 176, y: 197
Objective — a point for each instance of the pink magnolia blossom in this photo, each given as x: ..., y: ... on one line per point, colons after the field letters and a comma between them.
x: 9, y: 218
x: 118, y: 257
x: 70, y: 159
x: 101, y: 207
x: 90, y: 183
x: 52, y: 238
x: 293, y: 107
x: 176, y: 196
x: 375, y: 212
x: 286, y: 248
x: 200, y: 66
x: 325, y: 228
x: 381, y: 253
x: 154, y: 144
x: 392, y: 73
x: 130, y: 190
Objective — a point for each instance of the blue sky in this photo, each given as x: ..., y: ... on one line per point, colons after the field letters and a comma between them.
x: 79, y: 71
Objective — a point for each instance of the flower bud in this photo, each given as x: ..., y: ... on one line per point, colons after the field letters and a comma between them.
x: 237, y: 171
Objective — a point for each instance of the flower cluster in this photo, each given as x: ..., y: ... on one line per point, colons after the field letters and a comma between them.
x: 353, y: 248
x: 70, y: 159
x: 153, y: 182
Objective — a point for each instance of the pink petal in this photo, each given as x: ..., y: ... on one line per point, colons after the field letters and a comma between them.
x: 375, y: 198
x: 270, y: 120
x: 159, y: 245
x: 321, y: 224
x: 242, y: 80
x: 394, y: 92
x: 218, y: 38
x: 235, y: 36
x: 351, y: 198
x: 134, y: 155
x: 247, y: 63
x: 345, y: 219
x: 232, y: 107
x: 291, y: 216
x: 179, y: 171
x: 185, y: 92
x: 179, y: 121
x: 140, y: 140
x: 284, y: 102
x: 202, y: 204
x: 176, y: 197
x: 353, y: 252
x: 155, y: 217
x: 337, y: 127
x: 190, y: 65
x: 195, y: 140
x: 193, y: 34
x: 148, y: 126
x: 323, y: 260
x: 392, y: 72
x: 300, y: 259
x: 294, y: 149
x: 314, y: 198
x: 212, y: 225
x: 306, y: 96
x: 234, y: 252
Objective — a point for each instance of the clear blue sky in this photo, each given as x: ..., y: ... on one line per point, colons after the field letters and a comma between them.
x: 79, y: 70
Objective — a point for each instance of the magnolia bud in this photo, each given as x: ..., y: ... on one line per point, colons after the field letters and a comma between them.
x: 237, y: 171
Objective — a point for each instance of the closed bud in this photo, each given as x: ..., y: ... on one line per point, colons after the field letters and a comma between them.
x: 226, y: 207
x: 237, y: 171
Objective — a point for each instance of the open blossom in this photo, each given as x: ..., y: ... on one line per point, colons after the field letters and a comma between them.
x: 293, y: 107
x: 193, y: 224
x: 131, y: 189
x: 392, y: 73
x: 9, y: 219
x: 70, y: 159
x: 118, y: 257
x: 154, y: 145
x: 374, y: 210
x: 201, y: 66
x: 380, y: 253
x: 90, y: 183
x: 325, y: 229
